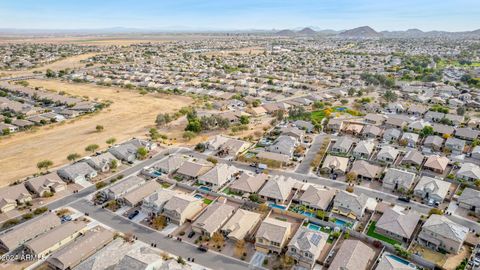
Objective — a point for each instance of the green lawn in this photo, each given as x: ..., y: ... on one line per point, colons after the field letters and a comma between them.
x: 317, y: 116
x: 207, y: 201
x: 371, y: 232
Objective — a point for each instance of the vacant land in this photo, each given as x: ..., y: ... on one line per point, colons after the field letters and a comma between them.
x: 130, y: 115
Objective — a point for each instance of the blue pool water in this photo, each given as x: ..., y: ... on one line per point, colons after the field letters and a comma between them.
x: 157, y: 173
x: 307, y: 214
x: 314, y: 227
x: 273, y: 205
x: 341, y: 109
x: 198, y: 196
x: 401, y: 260
x: 205, y: 188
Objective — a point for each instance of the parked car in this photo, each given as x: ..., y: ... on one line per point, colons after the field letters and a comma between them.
x: 65, y: 219
x: 191, y: 234
x: 133, y: 214
x: 203, y: 248
x: 404, y: 199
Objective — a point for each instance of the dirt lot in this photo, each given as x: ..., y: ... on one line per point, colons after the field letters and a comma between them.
x: 130, y: 115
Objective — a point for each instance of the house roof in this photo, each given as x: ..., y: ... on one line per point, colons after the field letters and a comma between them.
x: 28, y: 230
x: 433, y: 186
x: 363, y: 168
x: 467, y: 133
x: 335, y: 162
x: 364, y: 147
x: 388, y: 152
x: 54, y: 236
x: 343, y: 143
x: 404, y: 178
x: 194, y: 169
x: 413, y: 156
x: 214, y: 217
x: 278, y: 187
x: 83, y: 247
x: 43, y: 182
x: 76, y: 169
x: 437, y: 162
x: 180, y: 202
x: 318, y: 197
x: 219, y: 174
x: 387, y: 262
x: 354, y: 203
x: 241, y: 223
x: 352, y: 255
x: 170, y: 164
x: 470, y: 196
x: 274, y: 230
x: 126, y: 184
x: 469, y: 170
x: 446, y: 228
x: 138, y: 194
x: 14, y: 192
x: 309, y: 240
x: 373, y: 130
x: 248, y: 183
x: 399, y: 223
x: 434, y: 139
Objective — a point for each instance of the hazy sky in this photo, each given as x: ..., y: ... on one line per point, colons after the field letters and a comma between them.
x: 451, y: 15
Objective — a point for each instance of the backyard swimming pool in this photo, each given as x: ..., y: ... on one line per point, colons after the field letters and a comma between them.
x: 307, y: 214
x: 273, y: 205
x: 205, y: 188
x: 314, y: 227
x: 401, y: 260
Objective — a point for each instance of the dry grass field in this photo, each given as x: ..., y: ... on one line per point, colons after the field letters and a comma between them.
x: 130, y: 115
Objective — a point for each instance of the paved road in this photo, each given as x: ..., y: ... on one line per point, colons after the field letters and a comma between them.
x: 305, y: 165
x: 209, y: 259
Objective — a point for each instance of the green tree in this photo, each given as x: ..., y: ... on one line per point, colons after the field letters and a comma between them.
x: 50, y: 73
x: 244, y: 120
x: 194, y: 125
x: 142, y: 152
x: 5, y: 131
x: 92, y: 148
x: 461, y: 110
x: 113, y: 164
x: 44, y: 164
x: 426, y: 131
x: 390, y: 96
x: 73, y: 156
x: 188, y: 135
x: 111, y: 141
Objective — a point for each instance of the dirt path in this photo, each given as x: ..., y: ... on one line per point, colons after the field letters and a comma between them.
x: 130, y: 115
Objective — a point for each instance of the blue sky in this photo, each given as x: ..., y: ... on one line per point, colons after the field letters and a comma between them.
x: 447, y: 15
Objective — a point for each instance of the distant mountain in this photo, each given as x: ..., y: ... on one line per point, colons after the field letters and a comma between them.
x: 285, y: 32
x: 360, y: 32
x: 307, y: 31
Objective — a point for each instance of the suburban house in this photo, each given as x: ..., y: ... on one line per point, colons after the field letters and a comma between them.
x: 304, y: 125
x: 46, y: 184
x: 242, y: 224
x: 433, y: 142
x: 284, y: 145
x: 372, y: 132
x: 396, y: 179
x: 391, y: 262
x: 247, y: 183
x: 272, y: 235
x: 388, y: 154
x: 364, y: 149
x: 80, y: 249
x: 118, y: 190
x: 213, y: 218
x: 476, y: 152
x: 366, y: 171
x: 440, y: 233
x: 135, y: 197
x: 169, y: 164
x: 413, y: 158
x: 101, y: 162
x: 277, y: 189
x: 467, y: 133
x: 397, y: 224
x: 342, y: 145
x: 14, y: 238
x: 55, y: 238
x: 470, y: 199
x: 11, y: 196
x: 469, y: 172
x: 353, y: 254
x: 349, y: 205
x: 411, y: 139
x: 436, y: 163
x: 192, y: 170
x: 182, y: 207
x: 317, y: 198
x: 77, y: 172
x: 455, y: 145
x: 391, y: 135
x: 375, y: 119
x: 125, y: 152
x: 225, y: 146
x: 430, y: 188
x: 152, y: 205
x: 334, y: 164
x: 306, y: 246
x: 218, y: 176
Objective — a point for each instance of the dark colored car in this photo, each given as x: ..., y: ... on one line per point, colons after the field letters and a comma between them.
x: 404, y: 199
x: 203, y: 248
x: 134, y: 214
x: 191, y: 234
